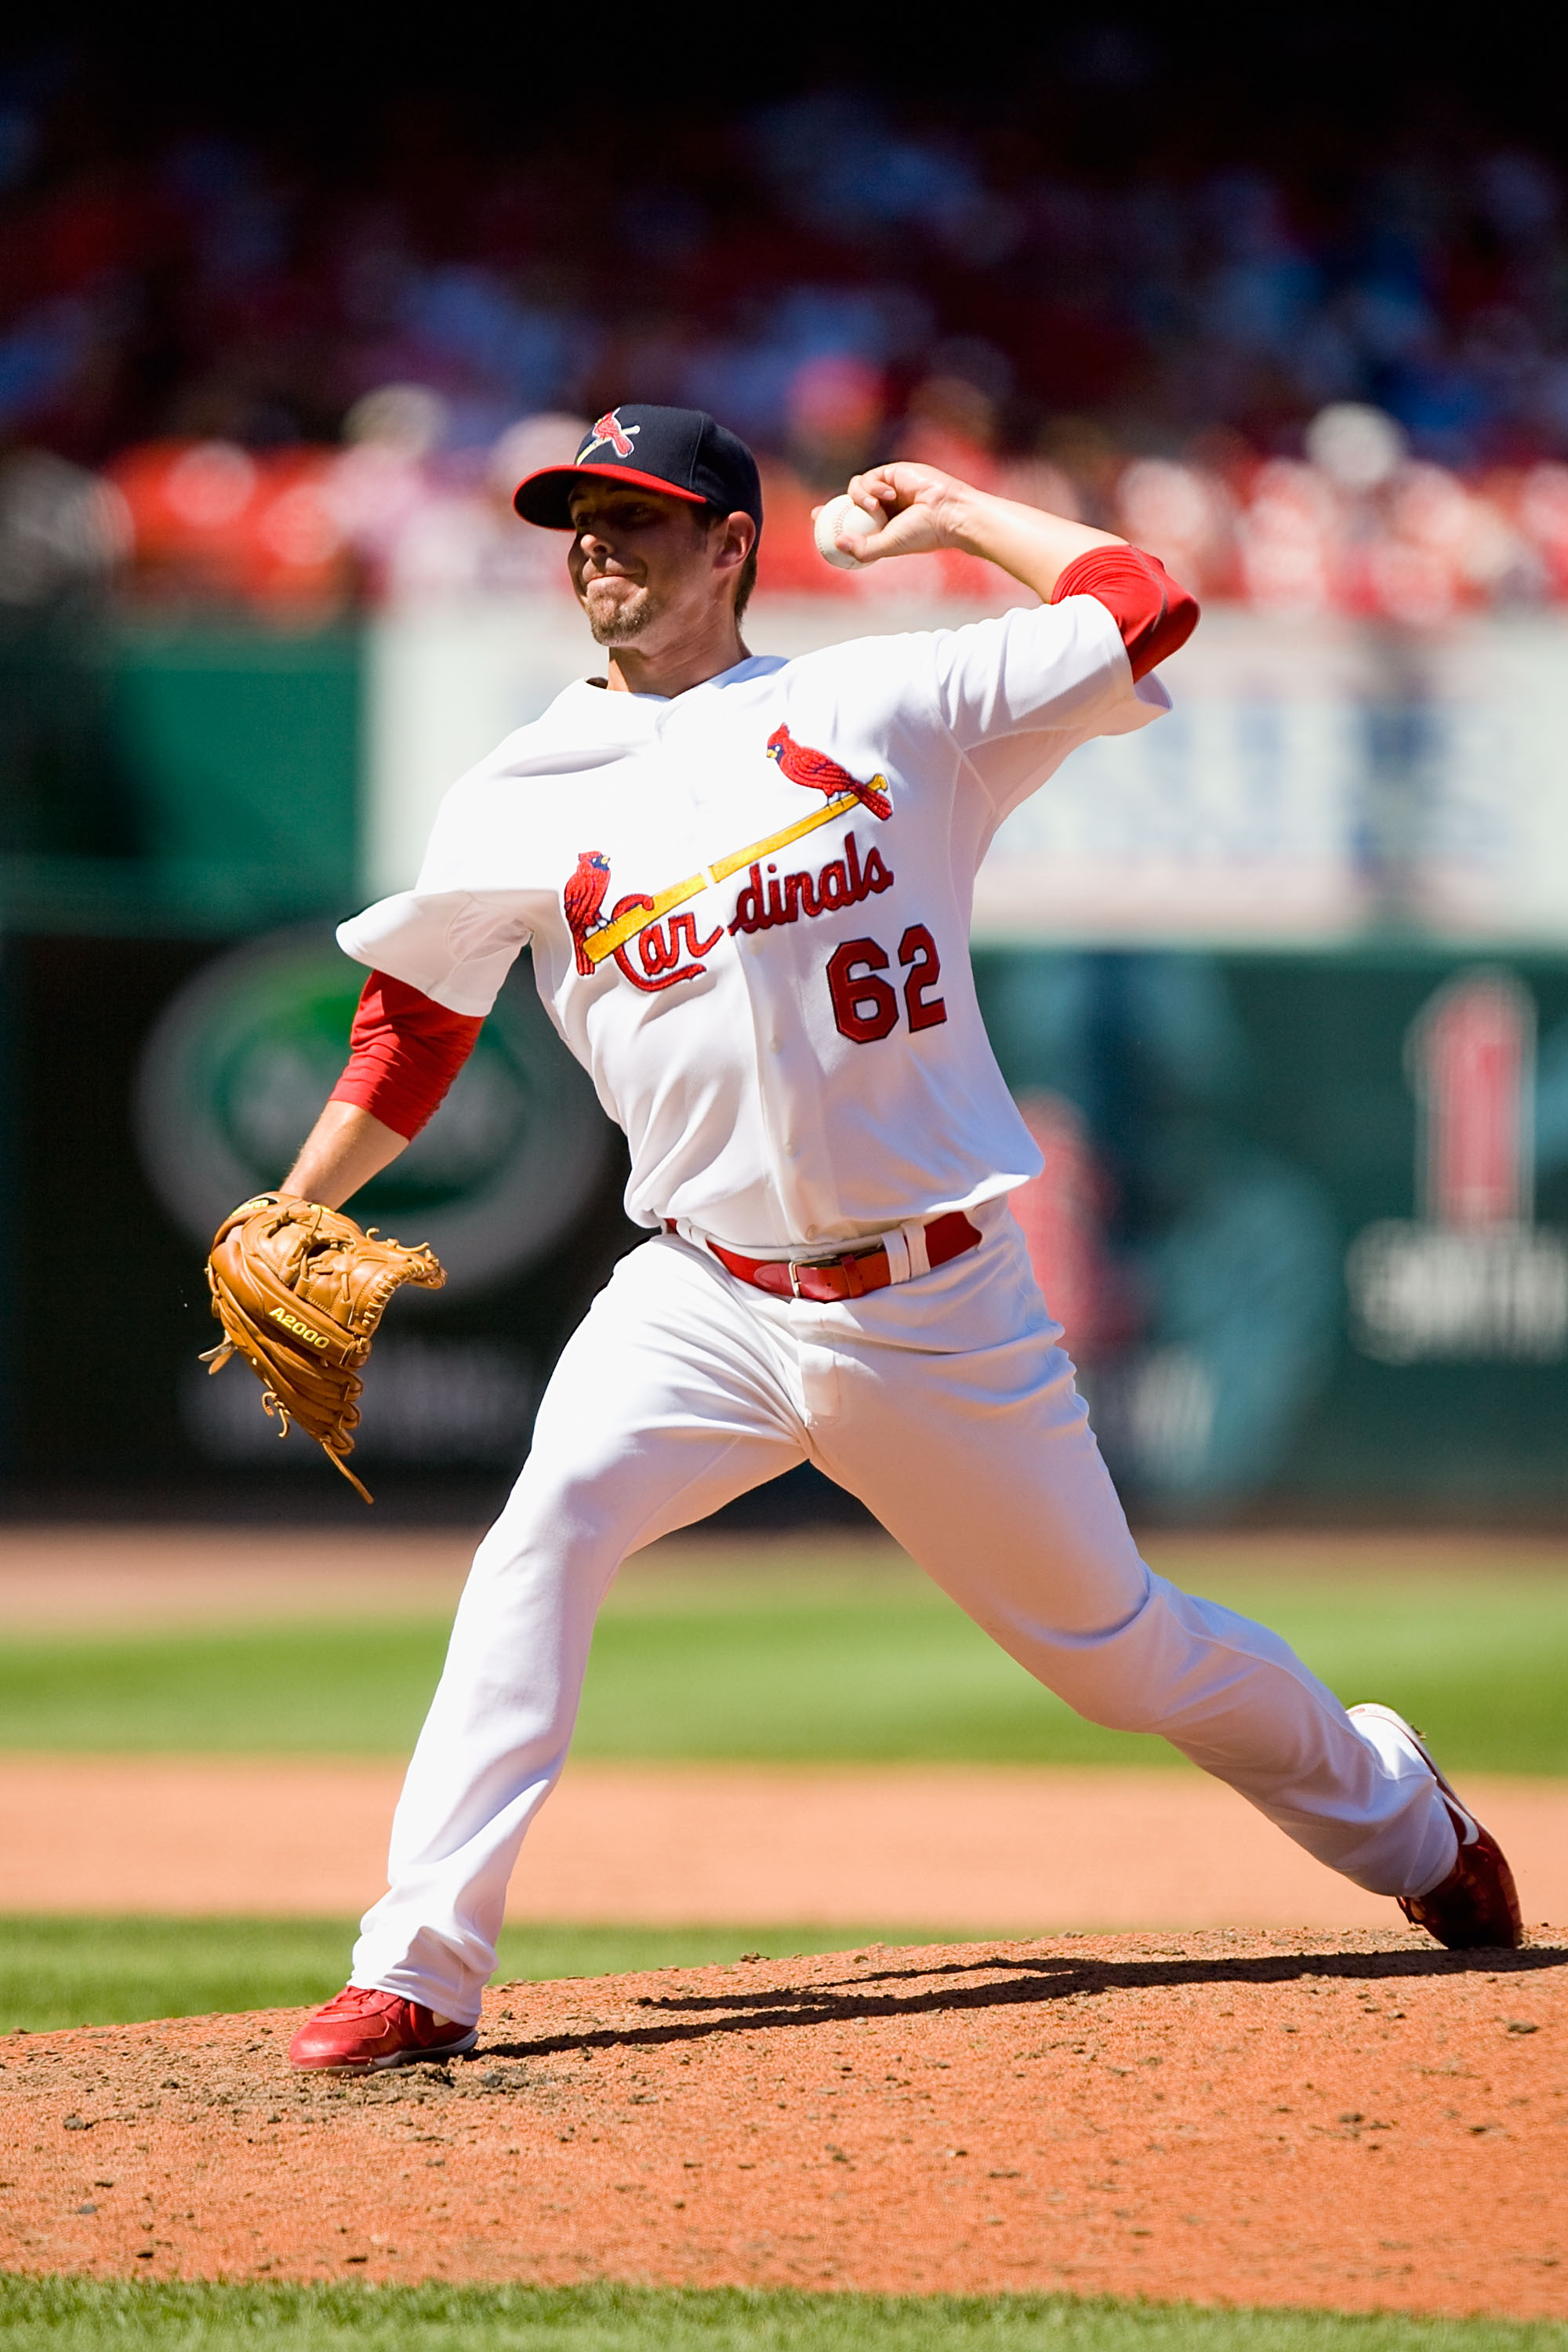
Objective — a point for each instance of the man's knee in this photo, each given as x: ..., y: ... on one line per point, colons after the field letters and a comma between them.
x: 1125, y: 1678
x: 1115, y: 1707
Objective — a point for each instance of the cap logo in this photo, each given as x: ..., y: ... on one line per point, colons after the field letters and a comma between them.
x: 610, y: 433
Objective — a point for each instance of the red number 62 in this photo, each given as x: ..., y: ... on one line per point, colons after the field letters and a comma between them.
x: 864, y: 1006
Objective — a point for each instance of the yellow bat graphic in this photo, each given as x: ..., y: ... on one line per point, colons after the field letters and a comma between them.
x: 602, y: 943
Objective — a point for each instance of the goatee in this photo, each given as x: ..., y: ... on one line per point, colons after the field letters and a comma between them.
x: 624, y: 622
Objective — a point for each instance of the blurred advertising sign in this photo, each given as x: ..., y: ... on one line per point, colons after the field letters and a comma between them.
x: 444, y: 683
x: 1239, y: 817
x: 1201, y: 1343
x: 1489, y: 779
x: 231, y: 1076
x: 243, y: 1057
x: 451, y: 1400
x: 1314, y: 781
x: 1303, y: 1219
x: 1222, y: 1131
x: 159, y: 1080
x: 1472, y: 1275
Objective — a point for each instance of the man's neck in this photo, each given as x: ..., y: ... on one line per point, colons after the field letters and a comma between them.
x: 669, y: 670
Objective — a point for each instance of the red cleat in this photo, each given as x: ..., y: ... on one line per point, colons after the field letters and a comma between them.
x: 1476, y: 1907
x: 362, y: 2031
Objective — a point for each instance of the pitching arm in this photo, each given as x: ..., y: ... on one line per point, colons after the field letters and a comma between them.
x: 1154, y: 613
x: 922, y: 509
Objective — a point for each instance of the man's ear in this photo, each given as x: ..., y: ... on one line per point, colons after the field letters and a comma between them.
x: 739, y: 538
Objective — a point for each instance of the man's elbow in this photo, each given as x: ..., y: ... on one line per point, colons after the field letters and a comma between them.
x: 1178, y: 619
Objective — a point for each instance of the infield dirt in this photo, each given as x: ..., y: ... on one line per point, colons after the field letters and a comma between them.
x: 1353, y: 2120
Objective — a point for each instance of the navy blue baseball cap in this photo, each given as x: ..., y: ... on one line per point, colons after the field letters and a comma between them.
x: 681, y: 452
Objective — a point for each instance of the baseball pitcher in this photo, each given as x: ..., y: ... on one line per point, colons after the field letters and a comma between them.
x: 746, y: 884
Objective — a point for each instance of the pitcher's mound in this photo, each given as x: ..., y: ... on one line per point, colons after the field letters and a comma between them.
x: 1355, y: 2120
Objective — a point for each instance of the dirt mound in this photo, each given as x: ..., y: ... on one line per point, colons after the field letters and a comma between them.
x: 1355, y: 2120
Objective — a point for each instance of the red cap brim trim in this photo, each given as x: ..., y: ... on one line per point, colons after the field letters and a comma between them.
x: 549, y: 510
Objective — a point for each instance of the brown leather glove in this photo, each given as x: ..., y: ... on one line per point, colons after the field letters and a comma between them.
x: 300, y: 1291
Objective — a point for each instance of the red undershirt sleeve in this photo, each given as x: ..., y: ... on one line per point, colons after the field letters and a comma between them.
x: 1154, y: 612
x: 404, y: 1050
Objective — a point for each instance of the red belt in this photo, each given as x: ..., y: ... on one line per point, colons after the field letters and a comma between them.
x: 823, y: 1280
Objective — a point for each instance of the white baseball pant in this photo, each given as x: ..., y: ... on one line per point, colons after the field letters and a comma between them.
x: 946, y: 1404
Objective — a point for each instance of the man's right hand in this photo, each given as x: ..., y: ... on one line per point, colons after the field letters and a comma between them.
x: 922, y: 510
x: 917, y: 507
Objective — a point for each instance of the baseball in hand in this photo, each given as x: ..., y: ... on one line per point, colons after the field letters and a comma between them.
x: 842, y: 514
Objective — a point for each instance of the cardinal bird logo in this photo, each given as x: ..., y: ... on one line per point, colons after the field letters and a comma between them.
x: 609, y: 433
x: 582, y: 899
x: 801, y: 765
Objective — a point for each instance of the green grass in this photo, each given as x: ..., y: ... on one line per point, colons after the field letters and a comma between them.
x: 804, y: 1667
x: 79, y: 2315
x: 105, y: 1971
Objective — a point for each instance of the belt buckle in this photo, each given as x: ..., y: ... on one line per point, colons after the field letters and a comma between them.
x: 797, y: 1266
x: 846, y: 1265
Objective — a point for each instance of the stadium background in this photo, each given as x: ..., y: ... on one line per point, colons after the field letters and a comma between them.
x: 1282, y: 986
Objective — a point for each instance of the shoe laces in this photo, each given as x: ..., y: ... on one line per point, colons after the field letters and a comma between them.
x: 357, y: 2000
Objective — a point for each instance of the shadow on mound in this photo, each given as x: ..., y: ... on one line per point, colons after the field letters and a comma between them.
x: 1009, y: 1984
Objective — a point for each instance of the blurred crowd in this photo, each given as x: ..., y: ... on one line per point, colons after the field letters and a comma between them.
x: 238, y: 373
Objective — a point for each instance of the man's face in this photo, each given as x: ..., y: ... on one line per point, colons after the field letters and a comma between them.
x: 646, y: 567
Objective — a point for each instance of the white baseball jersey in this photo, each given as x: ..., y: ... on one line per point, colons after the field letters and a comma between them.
x: 748, y: 908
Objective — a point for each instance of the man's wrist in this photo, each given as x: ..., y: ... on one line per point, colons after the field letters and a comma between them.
x: 965, y: 517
